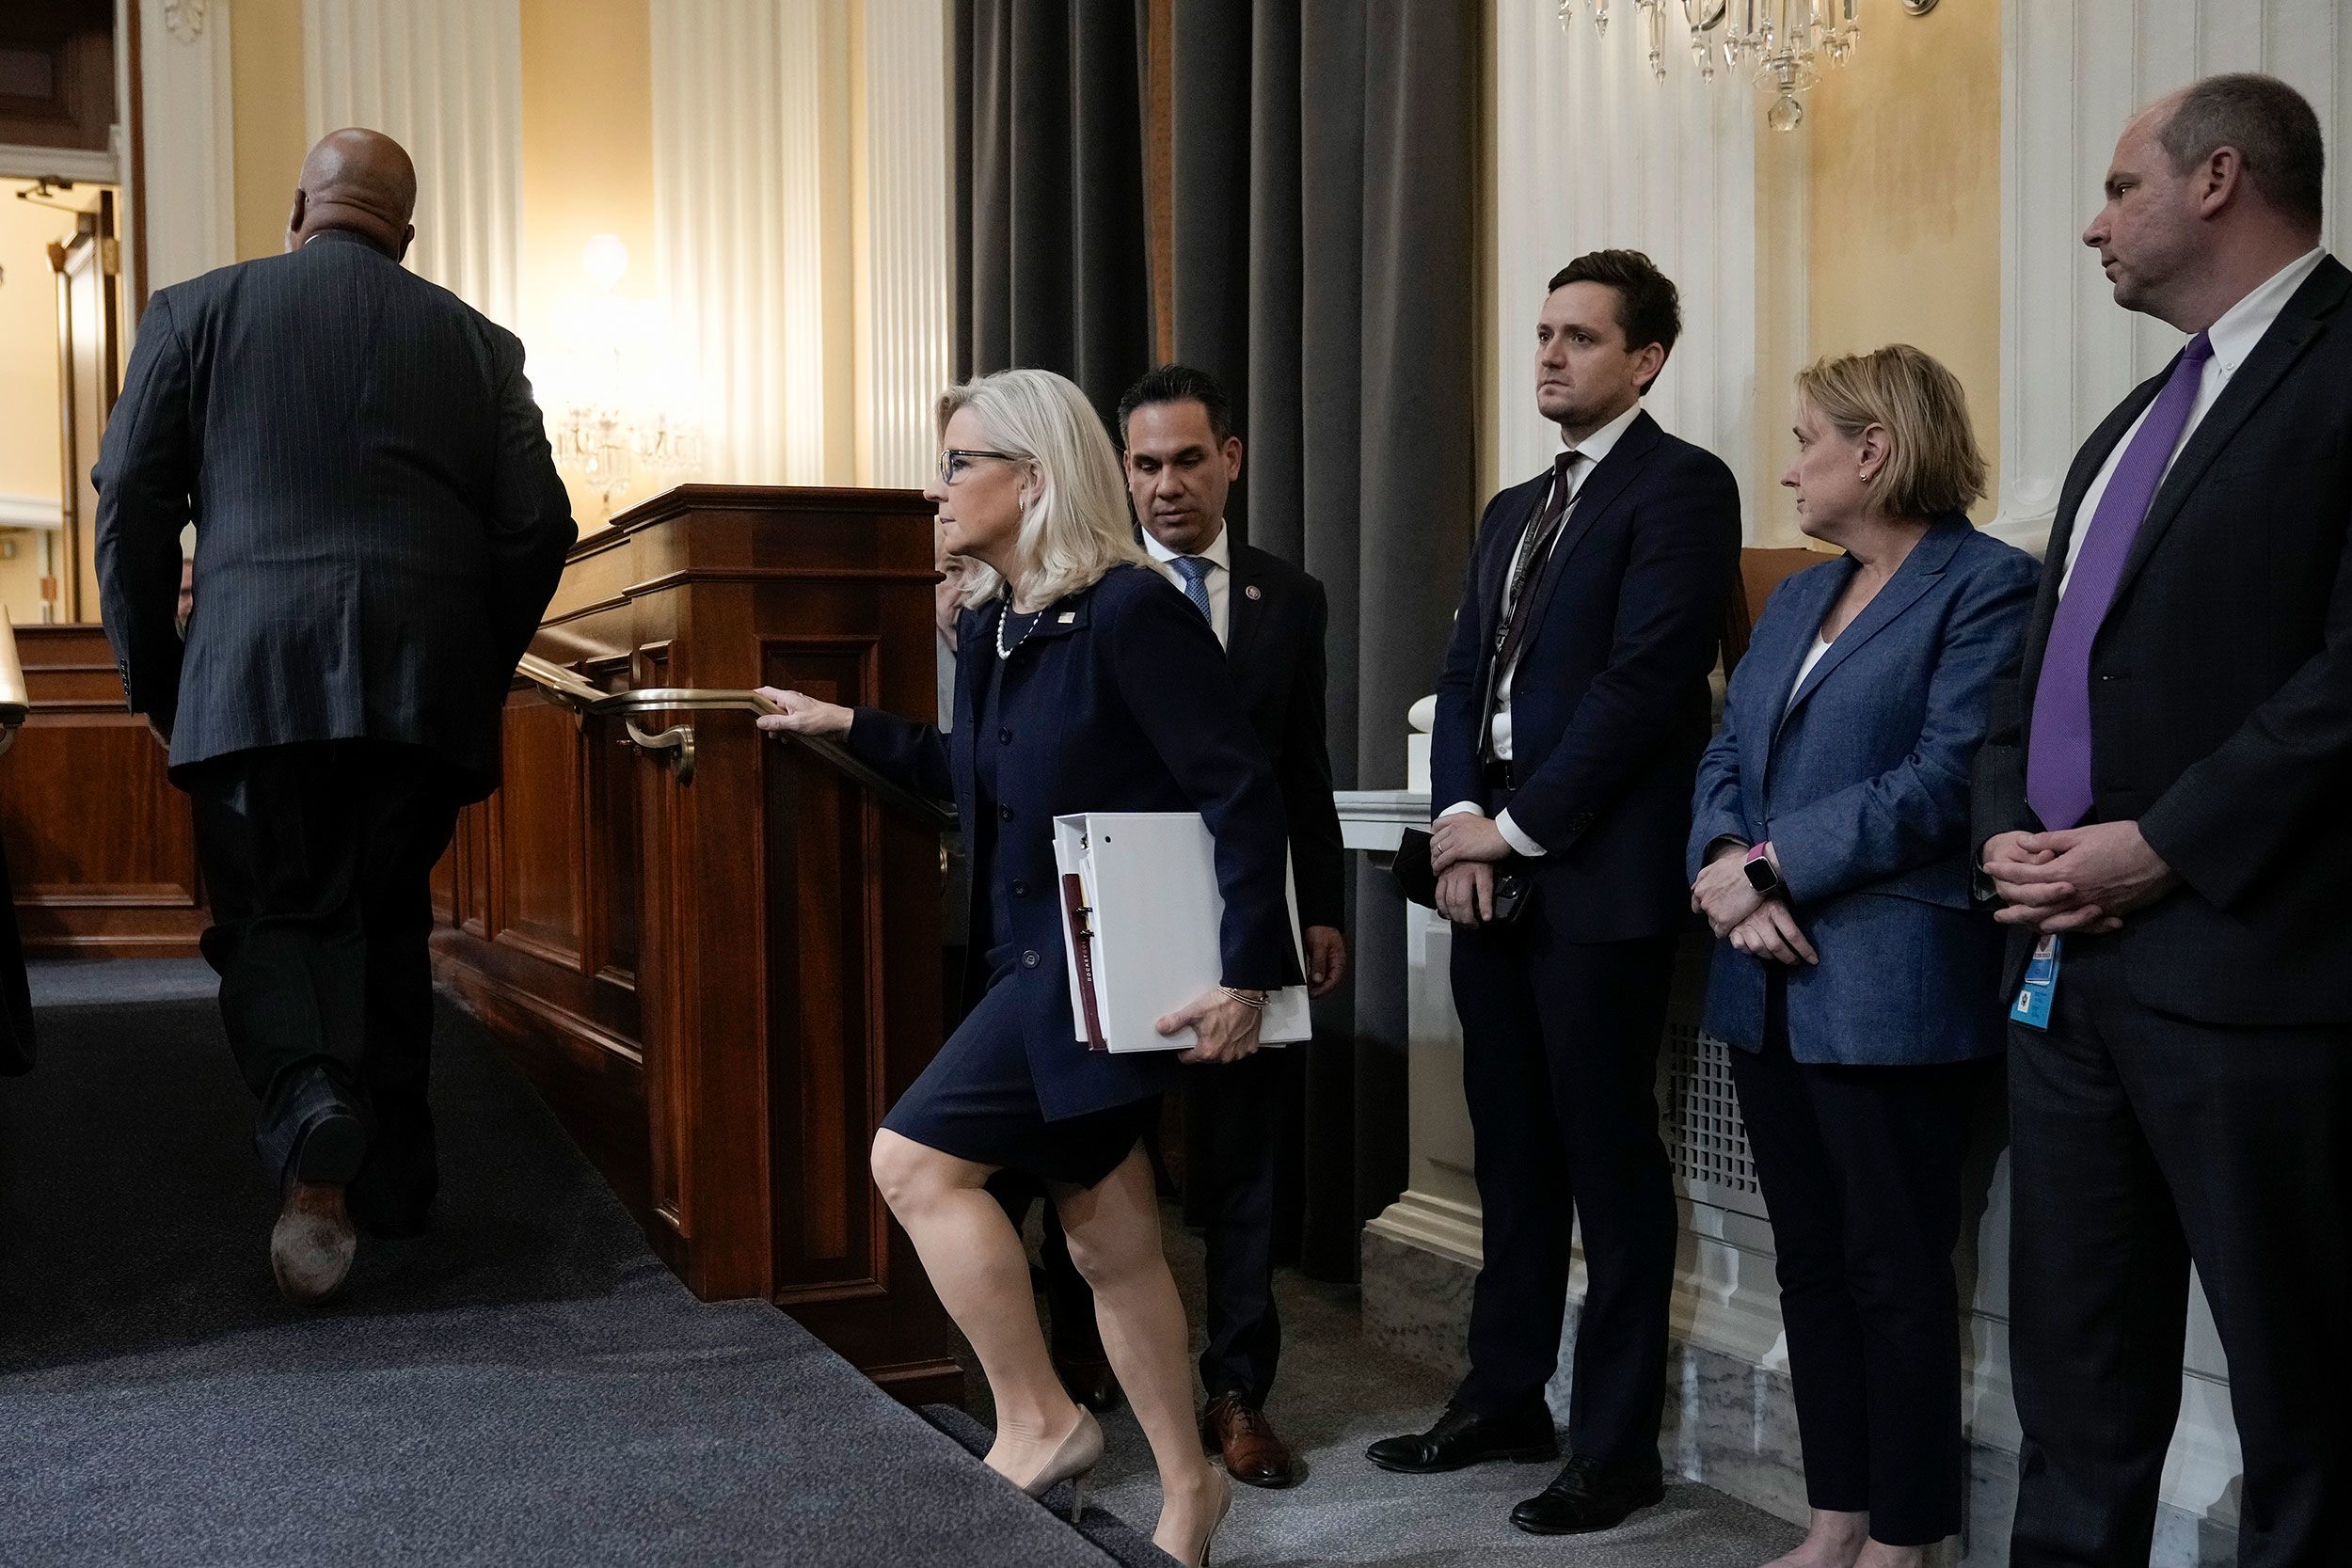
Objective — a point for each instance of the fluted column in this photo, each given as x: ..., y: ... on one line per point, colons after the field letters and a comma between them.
x: 187, y: 169
x: 908, y: 256
x: 444, y: 78
x: 2072, y: 72
x: 1591, y: 153
x: 743, y: 90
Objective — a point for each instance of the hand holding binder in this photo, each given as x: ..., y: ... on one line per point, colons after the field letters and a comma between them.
x: 1142, y: 918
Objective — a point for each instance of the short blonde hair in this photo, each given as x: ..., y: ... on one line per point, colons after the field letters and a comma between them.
x: 1077, y: 528
x: 1933, y: 465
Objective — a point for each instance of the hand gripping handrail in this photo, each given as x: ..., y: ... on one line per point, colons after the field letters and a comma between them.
x: 15, y: 702
x: 584, y: 697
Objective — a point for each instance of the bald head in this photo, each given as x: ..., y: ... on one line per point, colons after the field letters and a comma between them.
x: 358, y: 180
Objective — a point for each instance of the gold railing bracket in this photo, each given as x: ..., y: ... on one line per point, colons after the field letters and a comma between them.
x: 677, y: 741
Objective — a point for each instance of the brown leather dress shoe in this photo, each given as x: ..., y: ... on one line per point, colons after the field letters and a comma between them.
x: 1233, y: 1427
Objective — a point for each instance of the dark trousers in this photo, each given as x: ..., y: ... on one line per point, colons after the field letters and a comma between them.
x: 1560, y: 1062
x: 2140, y: 1142
x: 1233, y: 1117
x: 317, y: 858
x: 1860, y: 1167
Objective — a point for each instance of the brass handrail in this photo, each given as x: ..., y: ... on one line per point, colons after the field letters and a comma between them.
x: 15, y: 701
x: 569, y: 689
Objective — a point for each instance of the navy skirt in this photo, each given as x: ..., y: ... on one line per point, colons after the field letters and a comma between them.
x: 977, y: 1101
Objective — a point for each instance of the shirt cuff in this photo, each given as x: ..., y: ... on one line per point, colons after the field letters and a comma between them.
x: 1460, y: 806
x: 1525, y: 847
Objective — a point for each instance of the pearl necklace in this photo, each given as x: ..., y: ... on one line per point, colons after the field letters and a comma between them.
x: 1005, y: 614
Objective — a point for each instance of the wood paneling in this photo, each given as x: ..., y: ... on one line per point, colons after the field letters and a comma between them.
x: 721, y: 985
x: 58, y: 73
x: 101, y: 848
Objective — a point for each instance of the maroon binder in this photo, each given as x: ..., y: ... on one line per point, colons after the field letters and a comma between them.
x: 1080, y: 931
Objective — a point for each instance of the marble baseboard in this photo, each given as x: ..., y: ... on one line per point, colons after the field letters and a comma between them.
x: 1730, y: 1424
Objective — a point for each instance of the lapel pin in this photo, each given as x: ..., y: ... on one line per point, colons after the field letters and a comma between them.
x: 1068, y: 616
x: 1253, y: 591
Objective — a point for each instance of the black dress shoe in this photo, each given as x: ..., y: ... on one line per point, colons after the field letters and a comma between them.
x: 1461, y: 1438
x: 1591, y: 1495
x: 1085, y: 1372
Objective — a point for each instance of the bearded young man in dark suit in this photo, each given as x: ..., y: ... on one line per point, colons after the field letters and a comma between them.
x: 379, y: 526
x: 1572, y: 709
x: 1181, y: 459
x: 2163, y: 792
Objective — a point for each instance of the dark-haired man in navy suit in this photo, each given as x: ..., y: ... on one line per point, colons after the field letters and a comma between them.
x: 1571, y: 712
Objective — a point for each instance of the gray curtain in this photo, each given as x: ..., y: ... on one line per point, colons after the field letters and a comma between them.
x: 1324, y: 165
x: 1052, y: 248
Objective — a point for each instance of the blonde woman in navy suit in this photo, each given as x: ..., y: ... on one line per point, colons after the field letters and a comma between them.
x: 1087, y: 683
x: 1855, y: 980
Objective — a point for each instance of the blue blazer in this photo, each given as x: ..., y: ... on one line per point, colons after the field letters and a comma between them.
x: 1860, y: 781
x: 1119, y: 700
x: 1609, y: 707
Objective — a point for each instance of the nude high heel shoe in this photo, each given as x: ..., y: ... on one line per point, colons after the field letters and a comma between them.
x: 1073, y: 1462
x: 1200, y: 1557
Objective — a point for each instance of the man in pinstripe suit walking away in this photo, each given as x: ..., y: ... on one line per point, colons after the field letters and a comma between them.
x: 379, y: 526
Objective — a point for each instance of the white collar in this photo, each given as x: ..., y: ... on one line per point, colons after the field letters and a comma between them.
x: 1219, y: 553
x: 2245, y: 323
x: 1600, y: 442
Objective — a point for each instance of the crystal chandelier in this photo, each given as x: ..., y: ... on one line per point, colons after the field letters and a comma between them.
x: 1786, y: 40
x: 620, y: 407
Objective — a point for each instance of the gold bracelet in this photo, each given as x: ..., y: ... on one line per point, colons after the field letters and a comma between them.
x: 1256, y: 1003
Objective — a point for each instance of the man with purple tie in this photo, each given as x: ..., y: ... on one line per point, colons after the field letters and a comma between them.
x: 2162, y: 812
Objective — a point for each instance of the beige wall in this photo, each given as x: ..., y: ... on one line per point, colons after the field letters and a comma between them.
x: 1902, y: 149
x: 266, y: 64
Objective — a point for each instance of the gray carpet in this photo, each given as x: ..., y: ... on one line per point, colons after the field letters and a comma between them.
x: 1335, y: 1395
x: 526, y: 1385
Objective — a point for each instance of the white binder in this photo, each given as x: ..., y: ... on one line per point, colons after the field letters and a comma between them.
x: 1141, y: 928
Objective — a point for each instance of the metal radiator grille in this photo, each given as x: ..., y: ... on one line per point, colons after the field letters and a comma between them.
x: 1703, y: 1128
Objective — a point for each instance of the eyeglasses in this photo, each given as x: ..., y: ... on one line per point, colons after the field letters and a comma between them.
x: 955, y: 460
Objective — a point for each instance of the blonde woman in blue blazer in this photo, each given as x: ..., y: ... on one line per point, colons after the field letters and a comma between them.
x: 1855, y: 980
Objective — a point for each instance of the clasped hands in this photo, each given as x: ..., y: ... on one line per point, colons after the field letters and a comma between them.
x: 1464, y: 849
x: 1757, y: 924
x: 2085, y: 878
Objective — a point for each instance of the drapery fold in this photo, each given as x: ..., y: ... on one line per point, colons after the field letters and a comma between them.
x: 1053, y: 264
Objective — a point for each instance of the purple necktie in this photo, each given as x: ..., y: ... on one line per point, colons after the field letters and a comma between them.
x: 2057, y: 756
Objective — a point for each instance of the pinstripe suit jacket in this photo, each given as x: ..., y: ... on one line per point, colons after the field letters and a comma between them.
x: 379, y: 524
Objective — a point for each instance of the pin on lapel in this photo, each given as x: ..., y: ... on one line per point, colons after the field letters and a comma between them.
x: 1067, y: 617
x: 1254, y: 592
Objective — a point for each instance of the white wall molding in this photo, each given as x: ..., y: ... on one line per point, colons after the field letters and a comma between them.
x: 21, y: 162
x: 187, y: 180
x: 30, y: 511
x: 904, y: 354
x: 444, y: 78
x: 2072, y: 72
x: 1591, y: 153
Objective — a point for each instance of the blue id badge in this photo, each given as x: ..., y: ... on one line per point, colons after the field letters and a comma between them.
x: 2032, y: 1008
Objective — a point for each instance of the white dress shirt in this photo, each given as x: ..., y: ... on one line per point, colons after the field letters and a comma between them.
x: 1219, y: 582
x: 1592, y: 448
x: 2233, y: 336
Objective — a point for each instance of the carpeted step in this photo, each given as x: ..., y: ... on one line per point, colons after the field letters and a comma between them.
x: 1129, y: 1545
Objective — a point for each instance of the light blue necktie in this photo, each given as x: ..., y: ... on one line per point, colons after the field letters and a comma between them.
x: 1194, y: 570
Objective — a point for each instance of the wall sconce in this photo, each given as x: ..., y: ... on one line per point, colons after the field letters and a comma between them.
x: 620, y: 405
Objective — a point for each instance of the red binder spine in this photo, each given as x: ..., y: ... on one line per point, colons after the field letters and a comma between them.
x: 1081, y: 934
